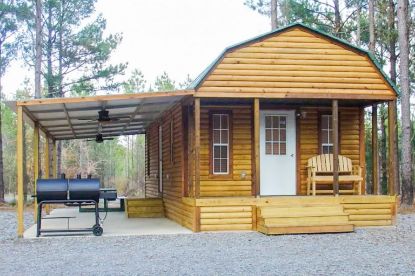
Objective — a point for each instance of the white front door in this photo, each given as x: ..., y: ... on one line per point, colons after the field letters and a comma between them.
x: 277, y: 152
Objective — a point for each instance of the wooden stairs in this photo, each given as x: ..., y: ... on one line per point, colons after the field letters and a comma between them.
x: 303, y: 219
x: 144, y: 207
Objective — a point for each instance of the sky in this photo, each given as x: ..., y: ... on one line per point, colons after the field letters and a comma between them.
x: 180, y: 37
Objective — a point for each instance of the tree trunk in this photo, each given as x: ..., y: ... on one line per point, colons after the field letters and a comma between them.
x: 392, y: 62
x: 403, y: 36
x: 372, y: 26
x: 383, y: 151
x: 359, y: 29
x: 274, y: 14
x: 49, y: 78
x: 38, y: 49
x: 1, y: 145
x: 337, y: 18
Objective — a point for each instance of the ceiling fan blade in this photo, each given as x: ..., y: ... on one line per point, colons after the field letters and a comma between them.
x: 87, y: 119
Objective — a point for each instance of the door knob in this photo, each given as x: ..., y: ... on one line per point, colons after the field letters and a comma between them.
x: 292, y: 155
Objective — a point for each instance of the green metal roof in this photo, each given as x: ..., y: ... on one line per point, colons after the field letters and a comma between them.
x: 199, y: 80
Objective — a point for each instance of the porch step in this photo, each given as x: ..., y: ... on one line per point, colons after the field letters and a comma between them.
x: 302, y: 219
x: 144, y: 207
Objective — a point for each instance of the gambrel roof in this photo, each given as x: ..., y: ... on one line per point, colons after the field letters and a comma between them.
x: 295, y: 62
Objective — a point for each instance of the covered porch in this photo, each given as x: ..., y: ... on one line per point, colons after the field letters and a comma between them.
x: 58, y: 119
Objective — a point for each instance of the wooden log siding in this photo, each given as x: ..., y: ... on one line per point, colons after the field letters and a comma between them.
x: 241, y: 157
x: 298, y: 62
x: 348, y: 139
x: 173, y: 177
x: 152, y: 166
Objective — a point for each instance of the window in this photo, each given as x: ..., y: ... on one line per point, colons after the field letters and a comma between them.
x: 326, y: 134
x: 171, y: 142
x: 220, y: 143
x: 147, y: 140
x: 275, y: 135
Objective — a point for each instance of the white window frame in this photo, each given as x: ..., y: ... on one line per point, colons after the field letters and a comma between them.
x: 272, y: 128
x: 220, y: 144
x: 328, y: 129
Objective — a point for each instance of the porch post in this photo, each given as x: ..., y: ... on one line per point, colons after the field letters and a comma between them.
x: 335, y: 118
x: 375, y: 151
x: 19, y: 159
x: 47, y: 166
x: 256, y: 147
x: 35, y: 164
x: 46, y: 157
x: 197, y: 164
x: 54, y: 160
x: 392, y: 185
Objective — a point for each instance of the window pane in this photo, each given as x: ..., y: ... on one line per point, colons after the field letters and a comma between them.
x: 330, y: 136
x: 268, y: 121
x: 224, y: 138
x: 329, y: 121
x: 276, y: 135
x: 324, y: 122
x: 268, y: 136
x: 224, y: 121
x: 268, y: 148
x: 216, y: 151
x: 327, y: 149
x: 276, y: 148
x: 216, y: 165
x: 324, y: 137
x: 216, y: 121
x: 275, y: 121
x: 223, y: 152
x: 224, y: 166
x: 283, y: 121
x: 283, y: 148
x: 283, y: 135
x: 216, y: 136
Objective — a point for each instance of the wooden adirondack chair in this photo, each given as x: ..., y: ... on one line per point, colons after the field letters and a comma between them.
x: 320, y: 171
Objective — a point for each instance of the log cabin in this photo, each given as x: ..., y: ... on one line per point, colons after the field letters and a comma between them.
x: 270, y: 138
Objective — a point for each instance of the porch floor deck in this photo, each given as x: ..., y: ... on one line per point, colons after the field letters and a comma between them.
x: 116, y: 224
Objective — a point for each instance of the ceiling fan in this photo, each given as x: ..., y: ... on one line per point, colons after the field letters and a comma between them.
x: 99, y: 138
x: 104, y: 117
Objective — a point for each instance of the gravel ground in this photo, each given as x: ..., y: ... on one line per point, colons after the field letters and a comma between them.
x: 370, y: 251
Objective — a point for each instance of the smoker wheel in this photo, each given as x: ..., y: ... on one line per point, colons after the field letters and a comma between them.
x: 97, y: 230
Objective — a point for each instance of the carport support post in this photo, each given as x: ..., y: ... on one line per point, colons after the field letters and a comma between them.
x: 375, y: 151
x: 35, y: 164
x: 46, y: 157
x: 47, y: 166
x: 19, y: 159
x: 54, y: 160
x: 335, y: 118
x: 392, y: 185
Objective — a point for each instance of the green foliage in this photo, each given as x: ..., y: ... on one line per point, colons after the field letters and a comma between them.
x: 11, y: 13
x: 164, y: 83
x: 75, y: 48
x: 135, y: 84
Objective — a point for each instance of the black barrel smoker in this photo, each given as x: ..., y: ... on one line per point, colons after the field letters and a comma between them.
x: 72, y: 192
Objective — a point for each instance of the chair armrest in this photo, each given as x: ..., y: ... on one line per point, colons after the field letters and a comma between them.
x: 357, y: 170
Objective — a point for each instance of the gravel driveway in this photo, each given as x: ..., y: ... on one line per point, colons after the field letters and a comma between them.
x: 370, y: 251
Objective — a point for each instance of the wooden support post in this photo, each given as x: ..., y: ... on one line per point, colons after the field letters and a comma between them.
x: 375, y: 151
x: 47, y: 166
x: 256, y: 147
x: 392, y: 124
x: 54, y: 160
x: 197, y: 162
x: 362, y: 148
x: 19, y: 160
x: 335, y: 118
x: 35, y: 164
x: 46, y: 157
